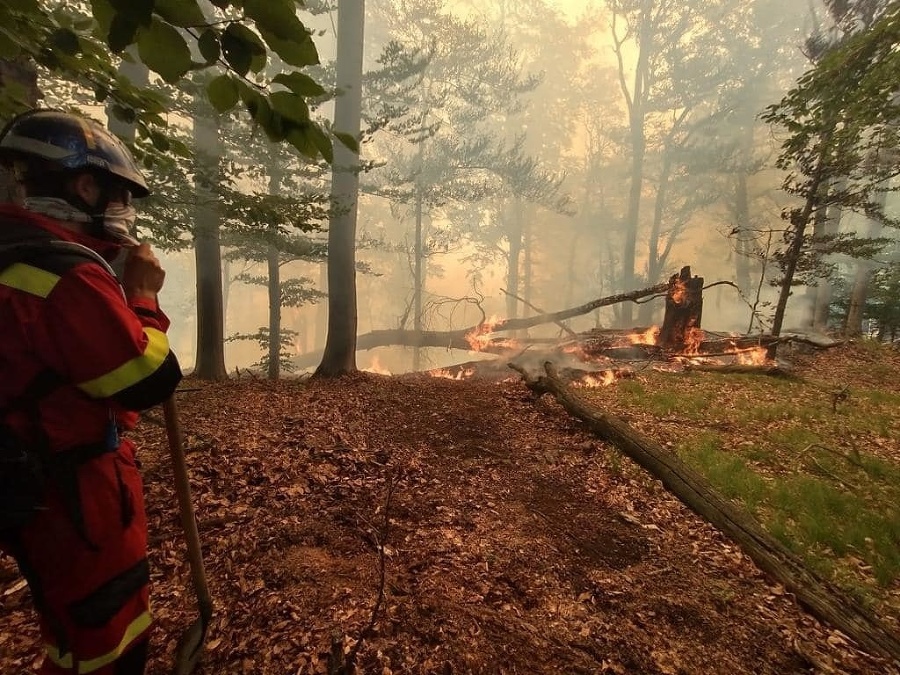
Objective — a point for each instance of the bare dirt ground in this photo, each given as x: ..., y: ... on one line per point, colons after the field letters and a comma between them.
x: 509, y: 541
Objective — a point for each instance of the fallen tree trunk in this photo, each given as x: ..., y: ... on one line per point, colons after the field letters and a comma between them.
x: 462, y: 338
x: 821, y: 597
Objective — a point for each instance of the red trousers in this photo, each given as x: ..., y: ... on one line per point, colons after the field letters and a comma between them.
x: 88, y: 573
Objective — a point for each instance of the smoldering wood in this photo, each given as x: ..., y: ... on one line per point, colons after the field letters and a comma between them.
x: 457, y: 339
x: 684, y: 310
x: 823, y: 599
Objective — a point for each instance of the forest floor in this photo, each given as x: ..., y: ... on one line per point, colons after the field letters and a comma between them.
x: 505, y: 537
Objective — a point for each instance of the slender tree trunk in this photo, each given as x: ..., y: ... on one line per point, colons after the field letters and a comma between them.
x: 859, y: 294
x: 340, y: 345
x: 633, y: 214
x: 742, y: 227
x: 528, y: 268
x: 513, y: 229
x: 210, y: 362
x: 654, y: 263
x: 320, y: 329
x: 273, y: 260
x: 799, y: 223
x: 822, y: 310
x: 418, y: 281
x: 638, y: 147
x: 273, y: 285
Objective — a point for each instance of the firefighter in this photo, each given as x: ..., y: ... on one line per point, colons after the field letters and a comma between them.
x: 81, y: 353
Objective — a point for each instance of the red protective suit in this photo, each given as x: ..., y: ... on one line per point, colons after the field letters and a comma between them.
x: 84, y: 555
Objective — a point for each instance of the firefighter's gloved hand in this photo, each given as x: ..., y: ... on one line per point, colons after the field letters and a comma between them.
x: 143, y: 276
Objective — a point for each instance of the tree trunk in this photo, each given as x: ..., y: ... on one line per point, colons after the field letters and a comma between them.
x: 859, y: 294
x: 418, y: 281
x: 742, y: 233
x: 340, y: 345
x: 273, y: 260
x: 210, y: 361
x: 684, y: 311
x: 273, y: 285
x: 822, y: 310
x: 827, y: 602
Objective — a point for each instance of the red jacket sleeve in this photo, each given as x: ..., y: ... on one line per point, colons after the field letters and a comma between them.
x: 107, y: 348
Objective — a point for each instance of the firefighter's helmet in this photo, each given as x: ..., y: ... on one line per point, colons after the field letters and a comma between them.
x: 67, y: 142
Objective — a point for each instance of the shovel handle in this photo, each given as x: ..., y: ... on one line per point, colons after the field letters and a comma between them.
x: 186, y: 508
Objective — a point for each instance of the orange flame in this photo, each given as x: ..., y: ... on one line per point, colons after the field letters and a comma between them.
x: 448, y: 375
x: 692, y: 340
x: 679, y: 292
x: 756, y: 356
x: 376, y: 367
x: 601, y: 379
x: 477, y: 336
x: 648, y: 337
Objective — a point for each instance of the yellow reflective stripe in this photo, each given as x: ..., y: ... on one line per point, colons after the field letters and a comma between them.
x: 132, y: 371
x: 29, y: 279
x: 134, y: 631
x: 52, y: 653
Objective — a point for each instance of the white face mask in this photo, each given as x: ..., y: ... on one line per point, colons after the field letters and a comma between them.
x: 118, y: 223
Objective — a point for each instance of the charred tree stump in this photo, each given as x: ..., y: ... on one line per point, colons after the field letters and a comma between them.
x: 684, y: 309
x: 822, y: 598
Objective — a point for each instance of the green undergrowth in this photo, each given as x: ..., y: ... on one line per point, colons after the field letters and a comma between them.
x: 815, y: 459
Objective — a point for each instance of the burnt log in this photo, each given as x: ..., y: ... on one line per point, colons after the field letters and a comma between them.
x: 462, y: 338
x: 684, y: 311
x: 823, y: 599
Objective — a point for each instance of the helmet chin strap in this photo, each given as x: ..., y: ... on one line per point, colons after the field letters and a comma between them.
x: 97, y: 212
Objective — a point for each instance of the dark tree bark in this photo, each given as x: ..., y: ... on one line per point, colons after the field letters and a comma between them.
x: 210, y: 360
x: 824, y: 600
x: 684, y: 310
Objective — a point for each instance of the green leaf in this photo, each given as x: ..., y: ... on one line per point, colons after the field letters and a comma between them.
x: 349, y: 141
x: 323, y: 143
x: 223, y: 93
x: 180, y: 12
x: 289, y: 105
x: 300, y: 83
x: 209, y: 45
x: 295, y: 53
x: 65, y: 41
x: 241, y: 46
x: 121, y: 33
x: 124, y: 113
x: 301, y: 138
x: 164, y: 51
x: 278, y: 17
x: 139, y: 11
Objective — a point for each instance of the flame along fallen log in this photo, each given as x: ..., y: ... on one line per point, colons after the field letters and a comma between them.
x: 822, y: 598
